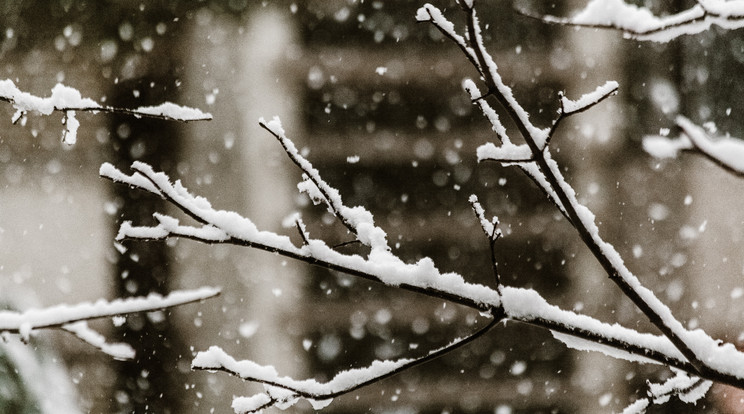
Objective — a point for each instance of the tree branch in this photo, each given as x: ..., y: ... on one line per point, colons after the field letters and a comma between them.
x: 343, y: 383
x: 641, y: 24
x: 69, y: 101
x: 70, y: 317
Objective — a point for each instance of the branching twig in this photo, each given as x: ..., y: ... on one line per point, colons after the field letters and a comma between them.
x: 516, y: 304
x: 587, y: 101
x: 330, y: 196
x: 493, y: 233
x: 726, y: 152
x: 692, y: 352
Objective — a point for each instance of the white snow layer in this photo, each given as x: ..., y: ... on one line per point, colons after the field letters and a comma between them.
x: 588, y: 99
x: 120, y: 351
x: 66, y: 314
x: 223, y: 225
x: 285, y: 389
x: 640, y: 23
x: 175, y: 112
x: 728, y: 151
x: 63, y: 97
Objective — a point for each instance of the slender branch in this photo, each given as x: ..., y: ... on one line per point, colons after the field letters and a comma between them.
x: 163, y: 191
x: 346, y: 243
x: 59, y: 315
x: 660, y: 27
x: 330, y: 195
x: 428, y: 13
x: 66, y: 99
x: 586, y: 102
x: 120, y: 351
x: 301, y: 229
x: 343, y: 383
x: 72, y: 318
x: 492, y: 232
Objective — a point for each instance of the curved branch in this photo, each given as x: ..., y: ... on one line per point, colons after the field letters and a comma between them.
x: 71, y: 318
x: 344, y: 382
x: 641, y: 24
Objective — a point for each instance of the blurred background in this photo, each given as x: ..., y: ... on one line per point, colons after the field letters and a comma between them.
x: 375, y: 102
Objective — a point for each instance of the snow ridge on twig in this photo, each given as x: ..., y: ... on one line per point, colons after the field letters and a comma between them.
x: 68, y: 100
x: 72, y: 318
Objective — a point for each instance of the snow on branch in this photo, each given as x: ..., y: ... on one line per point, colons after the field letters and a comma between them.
x: 474, y: 50
x: 726, y: 152
x: 693, y: 352
x: 688, y: 389
x: 358, y: 220
x: 284, y: 391
x: 70, y: 101
x: 121, y: 351
x: 640, y: 23
x: 72, y: 318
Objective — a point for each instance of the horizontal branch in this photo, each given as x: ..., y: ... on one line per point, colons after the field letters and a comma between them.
x: 230, y: 227
x: 69, y: 101
x: 60, y: 315
x: 215, y: 359
x: 640, y: 23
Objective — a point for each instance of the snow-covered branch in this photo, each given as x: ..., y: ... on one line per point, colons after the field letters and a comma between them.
x: 640, y: 23
x: 696, y: 347
x: 726, y: 152
x: 69, y: 101
x: 284, y: 391
x: 72, y: 318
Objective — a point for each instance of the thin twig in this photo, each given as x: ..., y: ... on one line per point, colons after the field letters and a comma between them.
x: 311, y: 174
